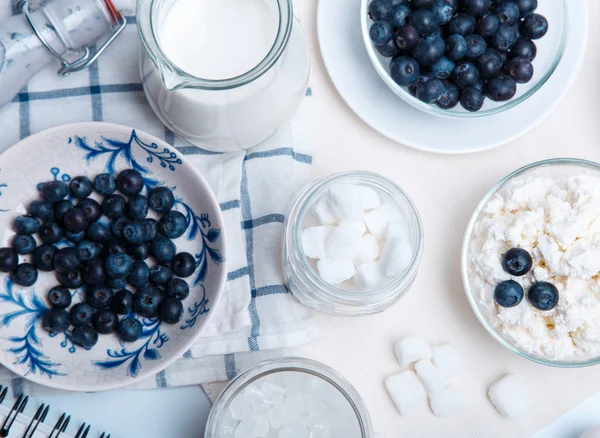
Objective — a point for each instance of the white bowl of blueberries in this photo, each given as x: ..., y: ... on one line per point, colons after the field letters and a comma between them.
x: 465, y: 58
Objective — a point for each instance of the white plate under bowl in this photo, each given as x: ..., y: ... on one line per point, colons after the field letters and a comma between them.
x: 351, y: 70
x: 89, y: 149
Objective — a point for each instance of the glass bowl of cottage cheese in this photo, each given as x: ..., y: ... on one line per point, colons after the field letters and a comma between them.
x: 551, y: 210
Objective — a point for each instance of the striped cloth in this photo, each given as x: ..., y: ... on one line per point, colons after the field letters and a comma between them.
x: 256, y: 317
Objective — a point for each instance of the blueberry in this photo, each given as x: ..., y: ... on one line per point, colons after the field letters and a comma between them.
x: 412, y: 88
x: 24, y: 274
x: 406, y: 38
x: 146, y: 301
x: 379, y: 9
x: 23, y: 244
x: 520, y: 69
x: 72, y: 280
x: 397, y: 18
x: 443, y: 12
x: 138, y: 277
x: 43, y: 257
x: 160, y: 274
x: 81, y: 187
x: 76, y: 220
x: 399, y: 2
x: 98, y: 232
x: 462, y: 24
x: 508, y: 13
x: 173, y: 224
x: 93, y: 272
x: 543, y: 296
x: 454, y: 3
x: 476, y: 46
x: 429, y: 50
x: 471, y: 99
x: 171, y: 310
x: 105, y: 184
x: 450, y: 97
x: 113, y: 206
x: 150, y: 227
x: 75, y: 236
x: 41, y: 209
x: 105, y: 321
x: 508, y: 294
x: 526, y: 7
x: 477, y: 8
x: 431, y: 91
x: 26, y: 225
x: 427, y: 4
x: 380, y: 32
x: 99, y: 297
x: 505, y: 37
x: 465, y: 75
x: 59, y: 297
x: 66, y: 260
x: 184, y: 264
x: 139, y: 251
x: 51, y: 232
x: 54, y: 191
x: 84, y: 336
x: 81, y: 314
x: 117, y: 283
x: 116, y: 226
x: 136, y: 207
x: 524, y: 48
x: 87, y: 250
x: 456, y: 47
x: 501, y: 88
x: 92, y: 209
x: 404, y: 70
x: 118, y: 265
x: 443, y: 68
x: 130, y: 182
x: 517, y: 262
x: 487, y: 25
x: 60, y: 208
x: 423, y: 21
x: 163, y: 249
x: 534, y: 26
x: 389, y: 50
x: 129, y: 329
x: 122, y: 302
x: 133, y: 232
x: 178, y: 288
x: 480, y: 85
x: 113, y: 247
x: 9, y: 259
x: 56, y: 321
x: 489, y: 64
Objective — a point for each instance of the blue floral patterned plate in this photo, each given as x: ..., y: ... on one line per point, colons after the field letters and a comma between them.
x: 89, y: 149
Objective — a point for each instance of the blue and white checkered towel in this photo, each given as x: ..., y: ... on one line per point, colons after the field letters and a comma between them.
x: 254, y: 187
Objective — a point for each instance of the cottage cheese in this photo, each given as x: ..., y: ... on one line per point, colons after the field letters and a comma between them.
x: 558, y: 221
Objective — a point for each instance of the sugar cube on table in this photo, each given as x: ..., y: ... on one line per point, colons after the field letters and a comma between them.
x: 344, y: 203
x: 323, y: 213
x: 594, y: 432
x: 510, y: 396
x: 377, y: 220
x: 369, y: 250
x: 432, y: 379
x: 368, y: 275
x: 335, y: 271
x: 447, y: 402
x: 406, y: 391
x: 396, y: 257
x: 313, y: 241
x: 447, y: 359
x: 411, y: 349
x: 343, y: 243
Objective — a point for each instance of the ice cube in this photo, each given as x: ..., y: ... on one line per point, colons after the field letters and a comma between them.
x: 411, y: 349
x: 273, y: 394
x: 245, y: 429
x: 396, y: 257
x: 406, y: 391
x: 335, y: 271
x: 261, y: 426
x: 313, y: 241
x: 368, y: 275
x: 240, y: 408
x: 447, y: 402
x: 369, y: 250
x: 227, y: 427
x: 511, y: 397
x: 432, y: 379
x: 276, y: 416
x: 447, y: 359
x: 343, y: 242
x: 323, y: 213
x: 344, y: 203
x: 378, y: 220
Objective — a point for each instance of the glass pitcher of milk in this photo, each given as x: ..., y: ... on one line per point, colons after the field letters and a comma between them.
x: 223, y: 74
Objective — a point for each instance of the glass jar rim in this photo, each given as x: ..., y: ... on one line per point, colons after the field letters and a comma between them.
x: 150, y: 41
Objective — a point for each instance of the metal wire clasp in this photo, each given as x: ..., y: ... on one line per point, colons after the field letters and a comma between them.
x: 87, y: 58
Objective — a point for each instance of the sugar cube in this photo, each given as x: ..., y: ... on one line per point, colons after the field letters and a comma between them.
x: 323, y: 213
x: 335, y: 271
x: 397, y: 228
x: 594, y: 432
x: 343, y: 243
x: 447, y: 402
x: 369, y: 197
x: 411, y: 349
x: 368, y: 275
x: 396, y: 257
x: 369, y: 250
x: 406, y: 391
x: 432, y: 379
x: 377, y: 220
x: 344, y: 203
x: 510, y: 396
x: 313, y: 241
x: 447, y: 359
x: 357, y: 225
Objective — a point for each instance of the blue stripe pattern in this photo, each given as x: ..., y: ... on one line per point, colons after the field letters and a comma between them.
x: 230, y: 205
x: 230, y: 368
x: 161, y: 379
x: 95, y: 90
x: 302, y: 158
x: 268, y: 219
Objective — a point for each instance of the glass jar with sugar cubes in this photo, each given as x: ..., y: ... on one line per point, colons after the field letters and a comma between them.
x: 289, y: 397
x: 352, y: 244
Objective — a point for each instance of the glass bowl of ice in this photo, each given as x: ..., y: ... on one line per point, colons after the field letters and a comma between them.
x: 289, y: 397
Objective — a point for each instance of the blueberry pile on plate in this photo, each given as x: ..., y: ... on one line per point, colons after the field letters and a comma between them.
x: 105, y: 247
x: 542, y: 295
x: 451, y: 51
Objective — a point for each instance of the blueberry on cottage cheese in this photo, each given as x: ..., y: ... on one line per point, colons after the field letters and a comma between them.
x: 509, y: 293
x: 543, y: 296
x: 517, y: 262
